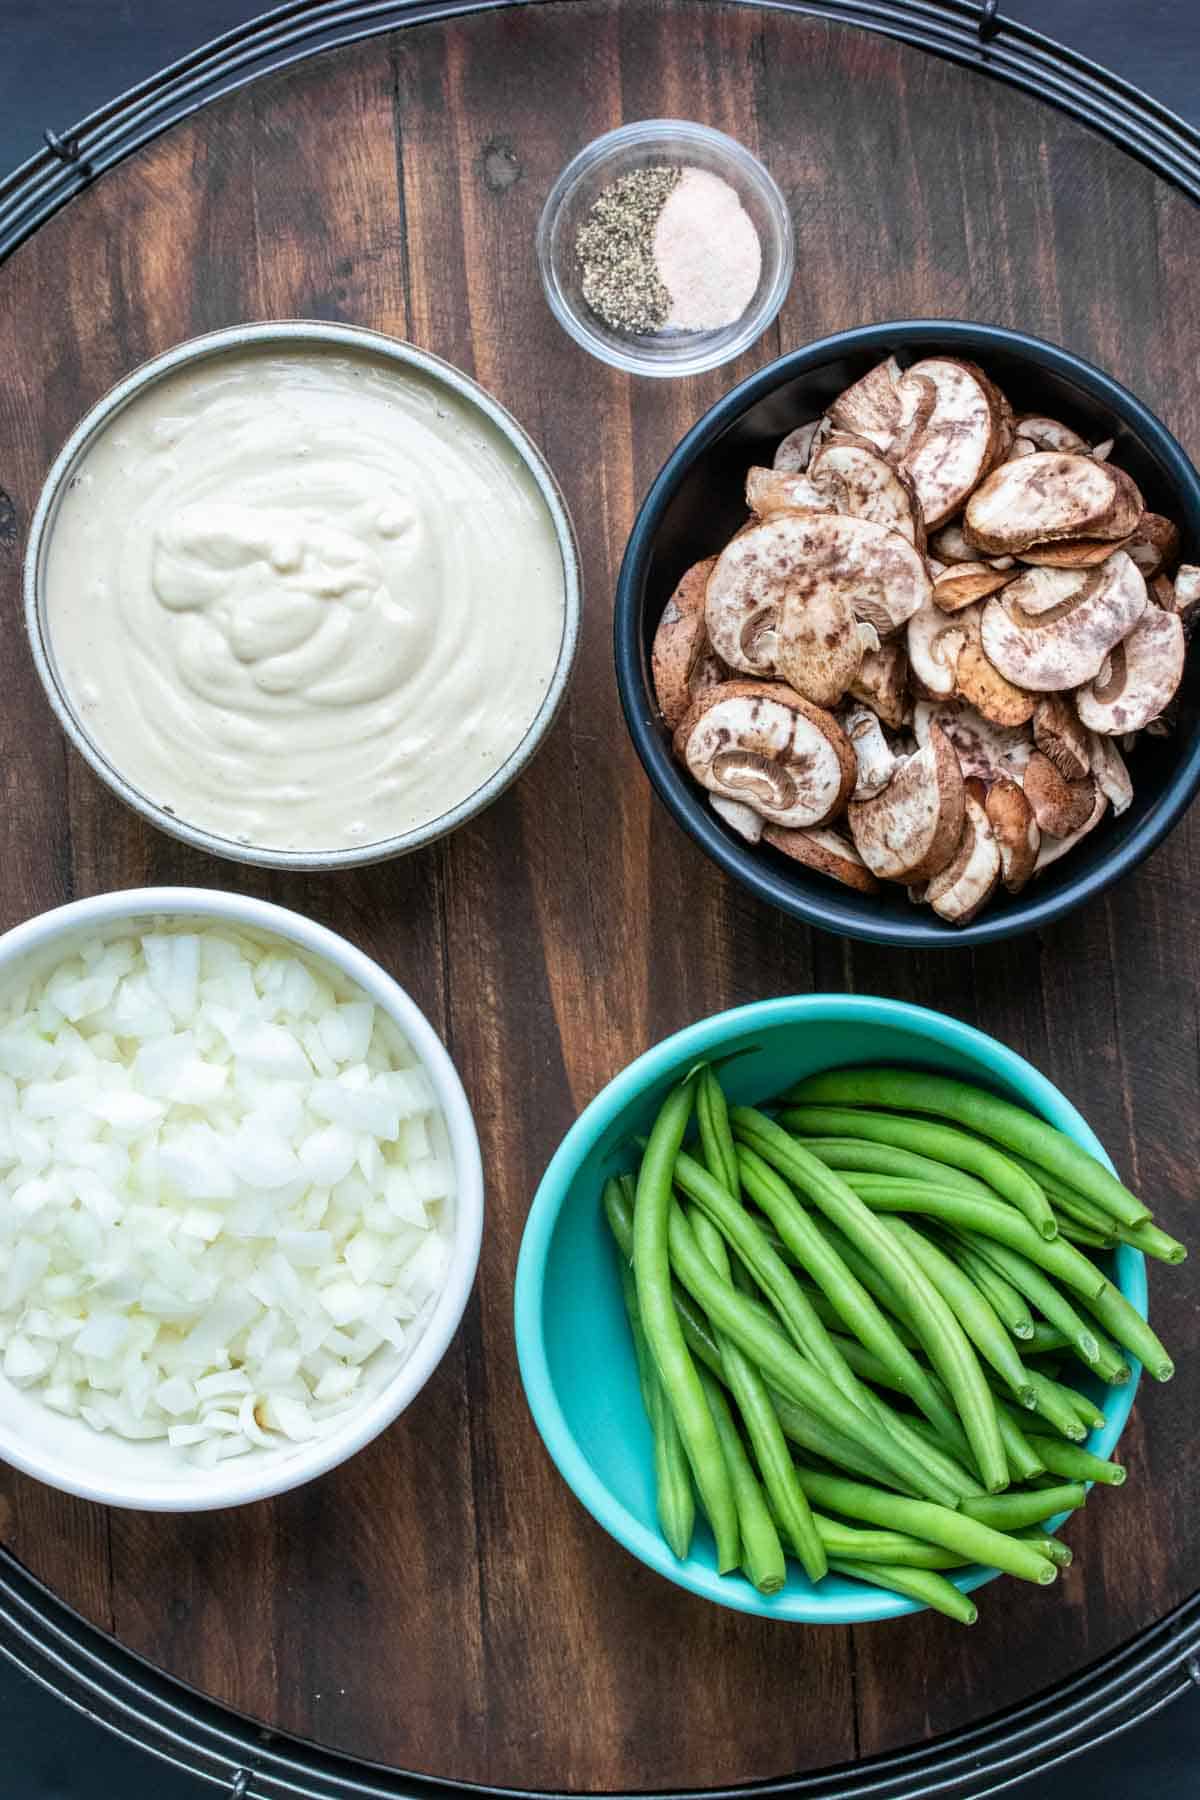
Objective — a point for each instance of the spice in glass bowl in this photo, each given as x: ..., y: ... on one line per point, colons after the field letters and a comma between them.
x: 668, y: 248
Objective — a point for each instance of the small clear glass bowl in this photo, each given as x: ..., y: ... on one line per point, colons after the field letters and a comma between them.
x: 650, y: 143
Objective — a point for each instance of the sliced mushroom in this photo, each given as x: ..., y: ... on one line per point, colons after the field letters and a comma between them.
x: 1046, y: 647
x: 859, y: 479
x: 1060, y: 807
x: 872, y: 406
x: 1111, y: 775
x: 1049, y: 434
x: 1053, y: 848
x: 739, y: 817
x: 1140, y: 678
x: 872, y: 751
x: 964, y: 583
x: 981, y: 684
x: 776, y: 490
x: 1058, y: 734
x: 827, y: 852
x: 1102, y: 451
x: 934, y: 645
x: 1079, y: 553
x: 1181, y: 596
x: 1016, y: 830
x: 910, y: 831
x: 796, y: 448
x: 971, y: 877
x: 984, y: 750
x: 1154, y: 546
x: 953, y: 447
x: 882, y: 683
x: 762, y: 745
x: 1048, y: 497
x: 682, y: 662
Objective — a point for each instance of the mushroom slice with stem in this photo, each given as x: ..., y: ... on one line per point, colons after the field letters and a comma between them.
x: 1049, y: 434
x: 762, y: 745
x: 934, y: 645
x: 952, y: 448
x: 910, y: 831
x: 965, y: 583
x: 1059, y: 806
x: 1016, y: 830
x: 971, y: 877
x: 778, y: 490
x: 985, y: 751
x: 1058, y: 734
x: 1154, y: 546
x: 980, y: 683
x: 872, y: 406
x: 826, y: 851
x: 1140, y: 678
x: 1110, y: 774
x: 1044, y: 498
x: 882, y: 683
x: 739, y: 817
x: 859, y: 479
x: 682, y: 662
x: 1052, y: 629
x: 1053, y: 848
x: 793, y: 452
x: 872, y: 751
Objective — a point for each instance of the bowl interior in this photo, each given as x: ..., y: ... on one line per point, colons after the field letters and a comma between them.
x: 644, y: 144
x: 697, y: 505
x: 577, y: 1359
x: 67, y: 1452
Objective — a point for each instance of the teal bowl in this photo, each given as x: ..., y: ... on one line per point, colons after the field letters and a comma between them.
x: 573, y: 1341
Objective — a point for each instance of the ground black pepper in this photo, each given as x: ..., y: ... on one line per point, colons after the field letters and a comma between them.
x: 615, y: 247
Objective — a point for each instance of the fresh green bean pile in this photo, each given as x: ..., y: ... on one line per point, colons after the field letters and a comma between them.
x: 892, y: 1274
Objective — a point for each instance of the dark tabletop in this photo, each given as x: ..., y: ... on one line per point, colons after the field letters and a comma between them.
x: 60, y: 58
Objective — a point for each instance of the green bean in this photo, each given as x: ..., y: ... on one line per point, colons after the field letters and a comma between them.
x: 940, y: 1332
x: 940, y: 1144
x: 1007, y: 1302
x: 753, y: 1401
x: 1074, y: 1463
x: 1055, y: 1306
x: 946, y: 1452
x: 1085, y: 1237
x: 1152, y: 1242
x: 770, y: 1271
x: 1020, y: 1454
x: 681, y: 1381
x: 969, y: 1306
x: 1120, y: 1317
x: 854, y: 1544
x: 716, y: 1139
x: 932, y: 1524
x: 1053, y: 1547
x: 922, y: 1585
x: 988, y: 1218
x: 1145, y: 1237
x: 1012, y: 1512
x: 1046, y: 1340
x: 782, y: 1365
x: 1052, y: 1404
x: 761, y: 1551
x: 871, y: 1158
x: 1011, y: 1126
x: 672, y: 1480
x: 847, y: 1295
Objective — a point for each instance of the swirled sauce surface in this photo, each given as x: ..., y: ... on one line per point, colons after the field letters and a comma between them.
x: 304, y: 599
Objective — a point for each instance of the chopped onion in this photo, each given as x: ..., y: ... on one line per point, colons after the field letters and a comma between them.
x: 225, y: 1185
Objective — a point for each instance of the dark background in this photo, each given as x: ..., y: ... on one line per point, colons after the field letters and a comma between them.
x: 58, y: 60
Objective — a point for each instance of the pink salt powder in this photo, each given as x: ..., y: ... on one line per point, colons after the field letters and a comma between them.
x: 707, y: 252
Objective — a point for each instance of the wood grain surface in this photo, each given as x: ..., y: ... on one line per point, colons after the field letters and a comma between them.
x: 442, y: 1603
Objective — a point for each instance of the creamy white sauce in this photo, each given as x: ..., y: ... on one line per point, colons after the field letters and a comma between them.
x: 304, y: 599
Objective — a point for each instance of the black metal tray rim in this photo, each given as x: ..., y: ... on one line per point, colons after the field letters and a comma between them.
x: 120, y: 1690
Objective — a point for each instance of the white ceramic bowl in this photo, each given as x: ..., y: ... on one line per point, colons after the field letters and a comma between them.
x: 149, y: 1475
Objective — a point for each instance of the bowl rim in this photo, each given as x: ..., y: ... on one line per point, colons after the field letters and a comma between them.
x: 234, y: 1486
x: 833, y: 910
x: 298, y: 334
x: 753, y: 323
x: 672, y: 1057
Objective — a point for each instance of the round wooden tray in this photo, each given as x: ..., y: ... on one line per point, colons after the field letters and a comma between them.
x: 442, y: 1604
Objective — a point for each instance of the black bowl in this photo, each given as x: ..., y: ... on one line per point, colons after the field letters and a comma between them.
x: 696, y: 505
